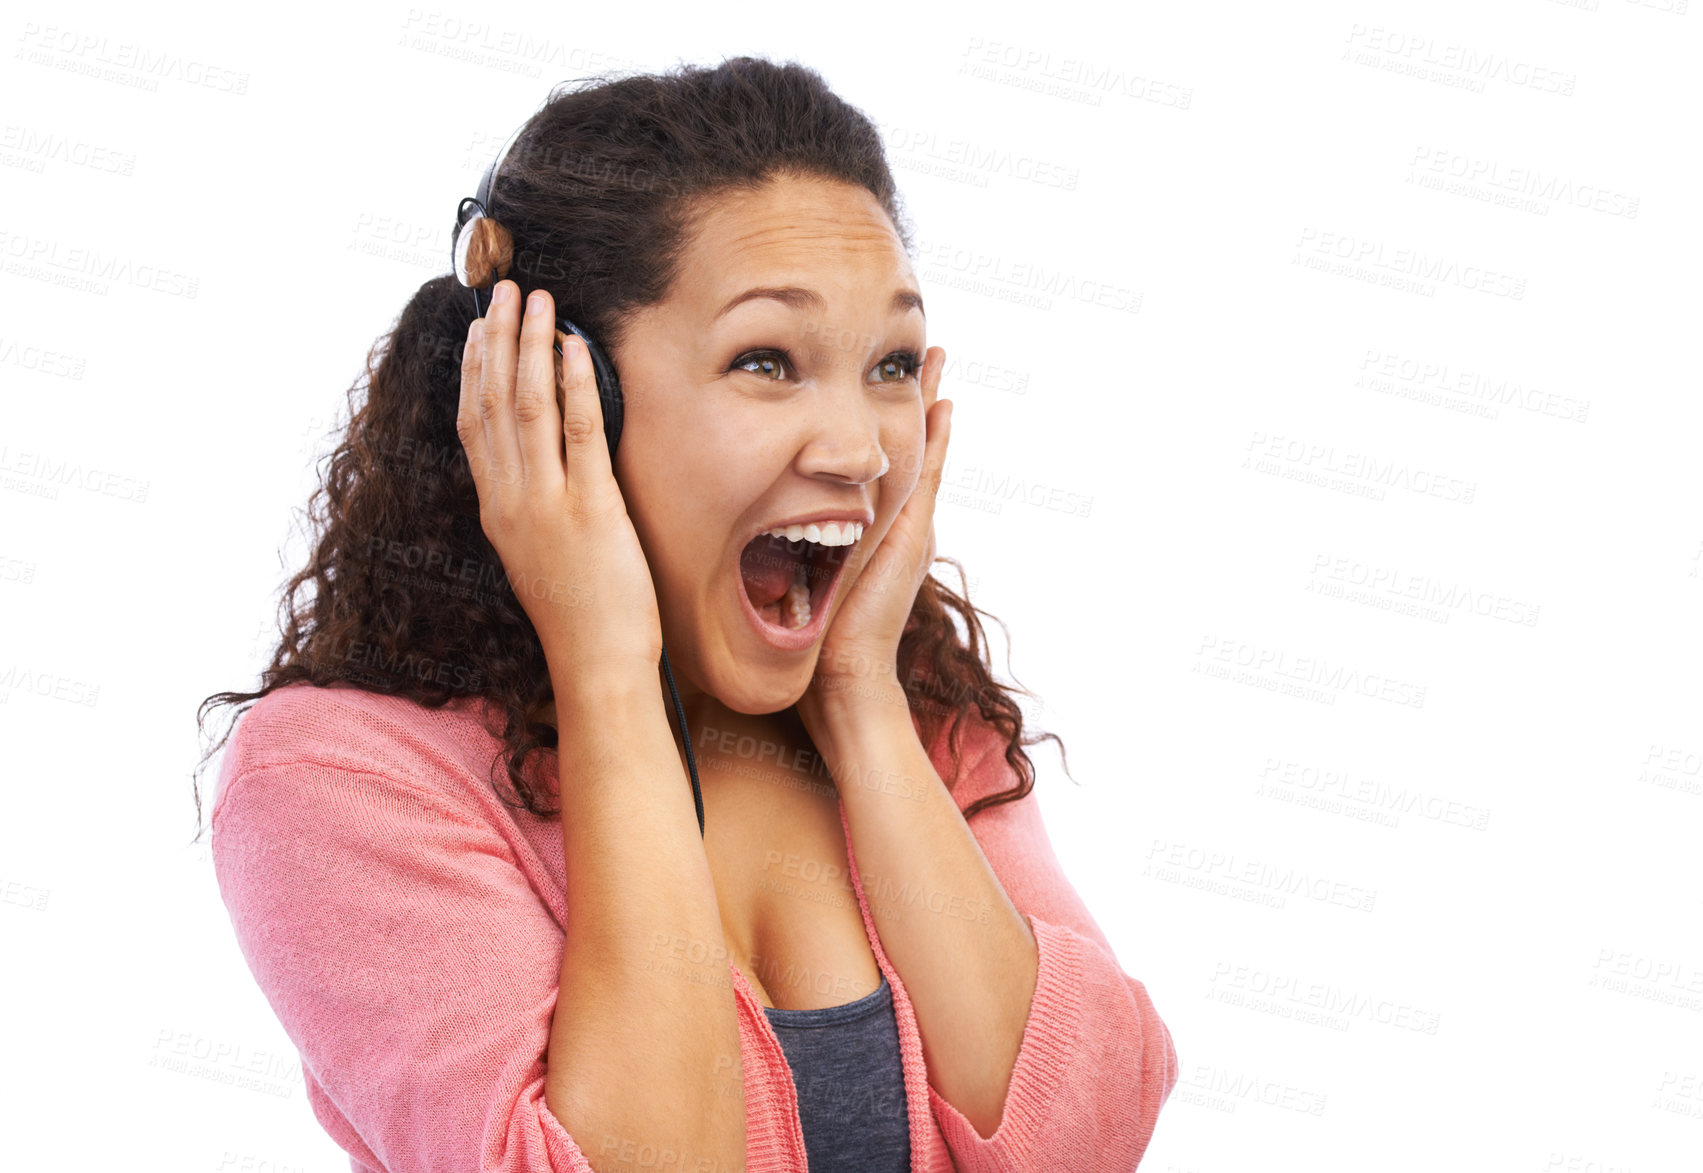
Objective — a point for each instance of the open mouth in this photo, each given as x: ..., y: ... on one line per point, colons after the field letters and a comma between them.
x: 789, y: 584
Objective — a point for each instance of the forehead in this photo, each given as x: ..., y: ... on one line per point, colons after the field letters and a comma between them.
x: 801, y: 226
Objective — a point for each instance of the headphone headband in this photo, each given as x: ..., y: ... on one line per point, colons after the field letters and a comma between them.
x: 484, y: 189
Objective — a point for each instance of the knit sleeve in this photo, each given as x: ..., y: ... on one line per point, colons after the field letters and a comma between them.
x: 407, y: 958
x: 1096, y: 1062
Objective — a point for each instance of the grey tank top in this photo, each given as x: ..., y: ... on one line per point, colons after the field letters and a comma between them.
x: 851, y: 1086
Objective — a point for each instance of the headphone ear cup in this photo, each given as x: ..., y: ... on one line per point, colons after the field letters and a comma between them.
x: 483, y: 252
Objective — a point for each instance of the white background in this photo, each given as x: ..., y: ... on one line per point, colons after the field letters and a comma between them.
x: 1366, y: 610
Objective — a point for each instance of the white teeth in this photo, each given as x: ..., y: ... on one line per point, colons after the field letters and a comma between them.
x: 844, y: 533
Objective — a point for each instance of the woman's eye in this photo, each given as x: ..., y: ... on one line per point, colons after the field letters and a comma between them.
x: 775, y: 365
x: 768, y: 363
x: 897, y: 367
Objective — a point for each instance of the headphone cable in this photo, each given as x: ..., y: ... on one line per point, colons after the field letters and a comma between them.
x: 686, y: 738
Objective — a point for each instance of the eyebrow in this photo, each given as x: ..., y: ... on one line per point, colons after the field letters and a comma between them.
x: 800, y: 298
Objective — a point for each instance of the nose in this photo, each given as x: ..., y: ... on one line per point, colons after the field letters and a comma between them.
x: 844, y: 435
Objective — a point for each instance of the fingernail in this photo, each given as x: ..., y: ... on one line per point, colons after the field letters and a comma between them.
x: 535, y: 303
x: 500, y: 295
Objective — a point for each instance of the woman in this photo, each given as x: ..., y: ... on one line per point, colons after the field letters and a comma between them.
x: 843, y: 971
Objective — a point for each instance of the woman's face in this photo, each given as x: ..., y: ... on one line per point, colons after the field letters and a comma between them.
x: 780, y: 381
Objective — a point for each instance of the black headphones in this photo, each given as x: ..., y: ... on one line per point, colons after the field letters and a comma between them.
x: 475, y: 225
x: 499, y: 247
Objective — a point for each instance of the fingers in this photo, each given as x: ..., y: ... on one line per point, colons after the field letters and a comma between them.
x: 938, y: 421
x: 495, y: 396
x: 582, y: 437
x: 538, y: 432
x: 934, y: 454
x: 469, y: 421
x: 527, y: 419
x: 933, y: 363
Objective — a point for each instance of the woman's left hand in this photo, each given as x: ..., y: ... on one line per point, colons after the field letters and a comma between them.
x: 860, y: 650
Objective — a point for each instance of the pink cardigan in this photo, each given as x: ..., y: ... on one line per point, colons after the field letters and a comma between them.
x: 406, y: 927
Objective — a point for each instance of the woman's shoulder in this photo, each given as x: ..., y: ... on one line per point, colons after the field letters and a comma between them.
x: 355, y: 731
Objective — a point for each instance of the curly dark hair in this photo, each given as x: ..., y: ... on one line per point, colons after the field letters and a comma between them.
x: 409, y: 598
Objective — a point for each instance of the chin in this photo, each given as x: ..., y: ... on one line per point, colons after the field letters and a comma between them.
x: 757, y: 693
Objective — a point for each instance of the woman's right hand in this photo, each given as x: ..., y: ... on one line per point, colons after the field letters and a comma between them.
x: 548, y: 500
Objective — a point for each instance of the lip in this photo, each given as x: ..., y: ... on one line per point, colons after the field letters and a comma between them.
x: 786, y: 639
